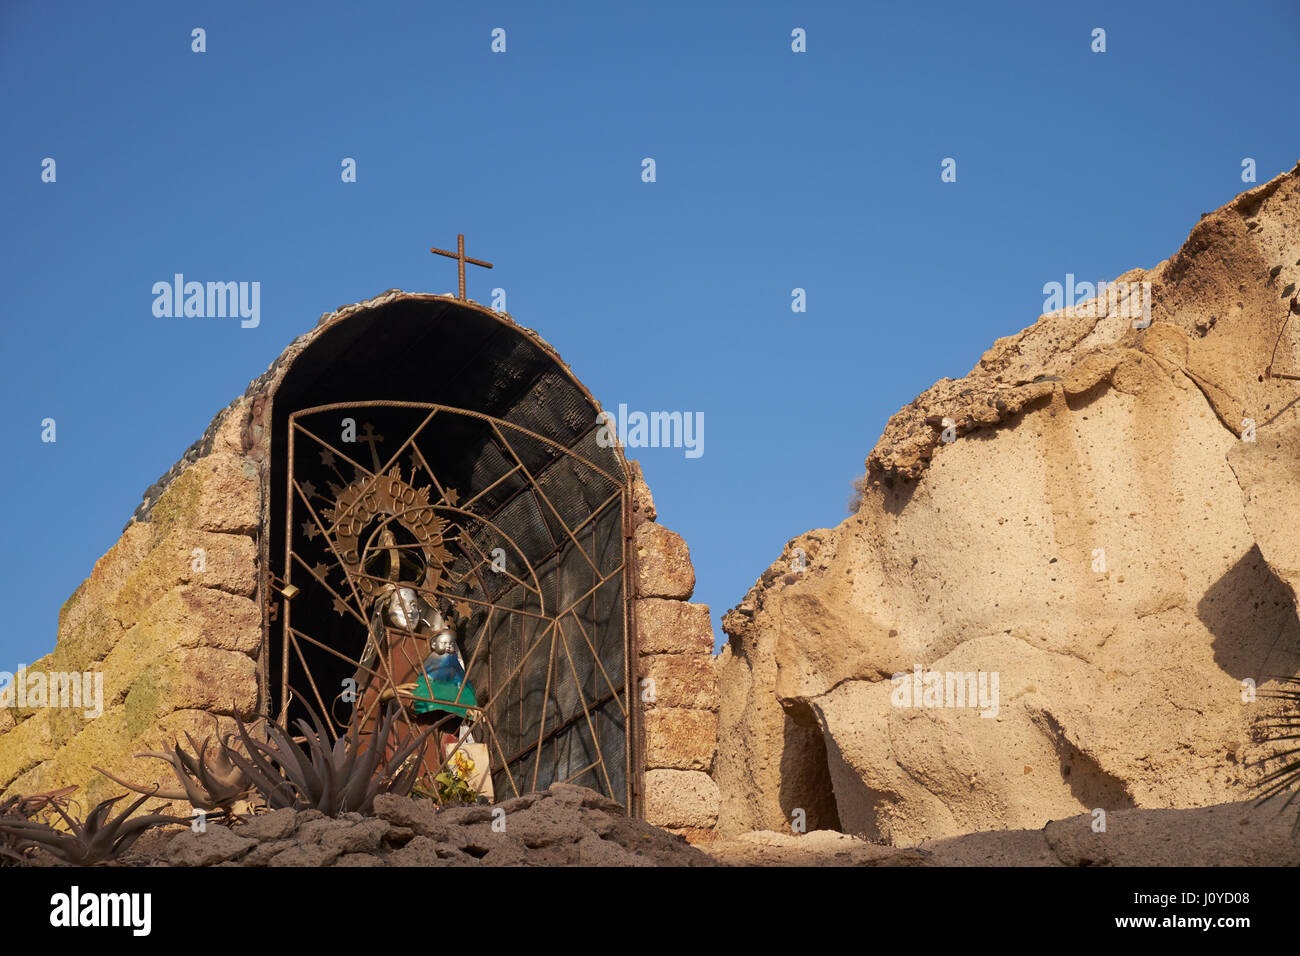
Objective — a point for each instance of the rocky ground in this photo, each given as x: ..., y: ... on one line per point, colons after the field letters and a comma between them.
x: 562, y: 826
x: 573, y: 826
x: 1231, y: 834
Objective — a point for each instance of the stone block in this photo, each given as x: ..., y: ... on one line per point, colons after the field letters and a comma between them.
x: 186, y: 616
x: 89, y: 638
x: 73, y: 703
x: 680, y: 680
x: 229, y: 435
x: 214, y: 493
x: 39, y: 779
x: 643, y: 503
x: 147, y: 772
x: 106, y: 578
x: 102, y: 738
x: 25, y: 746
x: 672, y: 627
x: 680, y: 739
x: 225, y: 562
x: 41, y: 665
x: 663, y: 563
x: 681, y: 799
x: 195, y: 678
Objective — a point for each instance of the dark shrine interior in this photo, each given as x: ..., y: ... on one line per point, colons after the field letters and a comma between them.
x: 517, y: 442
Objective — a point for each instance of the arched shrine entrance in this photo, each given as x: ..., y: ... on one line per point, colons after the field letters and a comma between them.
x: 447, y: 538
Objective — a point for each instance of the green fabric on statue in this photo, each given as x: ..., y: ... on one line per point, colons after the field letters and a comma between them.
x: 443, y: 690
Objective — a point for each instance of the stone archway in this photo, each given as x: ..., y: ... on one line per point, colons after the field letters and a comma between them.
x: 448, y: 423
x: 183, y: 614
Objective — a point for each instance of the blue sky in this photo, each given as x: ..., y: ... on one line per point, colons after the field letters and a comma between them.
x: 775, y: 170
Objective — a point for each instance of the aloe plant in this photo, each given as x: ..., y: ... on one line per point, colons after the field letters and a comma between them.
x: 338, y: 779
x: 97, y: 839
x: 214, y: 785
x: 17, y: 809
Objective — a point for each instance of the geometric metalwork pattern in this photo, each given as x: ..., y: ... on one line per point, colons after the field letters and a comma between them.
x: 514, y: 540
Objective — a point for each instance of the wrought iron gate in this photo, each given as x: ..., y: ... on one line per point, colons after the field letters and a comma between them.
x: 518, y: 539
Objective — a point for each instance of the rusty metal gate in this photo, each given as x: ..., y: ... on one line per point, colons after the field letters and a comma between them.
x: 519, y: 540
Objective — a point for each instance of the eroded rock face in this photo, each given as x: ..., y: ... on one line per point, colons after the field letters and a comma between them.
x: 1099, y: 536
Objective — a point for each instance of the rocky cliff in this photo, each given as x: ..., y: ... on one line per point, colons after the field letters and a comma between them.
x: 1099, y: 518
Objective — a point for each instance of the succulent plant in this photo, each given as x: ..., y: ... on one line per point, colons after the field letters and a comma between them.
x: 333, y: 779
x: 98, y: 839
x: 210, y: 785
x: 18, y: 808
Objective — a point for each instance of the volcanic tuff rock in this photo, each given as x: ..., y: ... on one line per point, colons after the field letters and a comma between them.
x: 1102, y: 533
x: 568, y: 825
x: 1233, y: 834
x: 565, y: 825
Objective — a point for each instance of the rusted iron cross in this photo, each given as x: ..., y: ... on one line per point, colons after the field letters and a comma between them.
x: 461, y: 259
x: 370, y: 438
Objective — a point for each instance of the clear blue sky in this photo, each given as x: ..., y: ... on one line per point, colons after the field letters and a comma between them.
x: 775, y: 170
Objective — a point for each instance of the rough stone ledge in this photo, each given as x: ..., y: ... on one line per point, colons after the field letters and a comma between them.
x: 565, y: 825
x: 1229, y: 834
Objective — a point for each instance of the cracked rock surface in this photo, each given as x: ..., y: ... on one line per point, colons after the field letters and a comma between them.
x: 574, y: 826
x: 1233, y: 834
x: 1108, y: 531
x: 565, y: 825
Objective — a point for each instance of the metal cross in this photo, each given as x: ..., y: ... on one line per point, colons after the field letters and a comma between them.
x: 461, y: 259
x: 370, y: 438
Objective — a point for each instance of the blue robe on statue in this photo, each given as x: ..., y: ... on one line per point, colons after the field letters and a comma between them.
x: 443, y: 679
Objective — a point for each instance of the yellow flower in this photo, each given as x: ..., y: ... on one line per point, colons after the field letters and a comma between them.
x: 462, y: 765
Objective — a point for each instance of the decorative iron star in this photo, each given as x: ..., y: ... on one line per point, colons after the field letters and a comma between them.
x: 341, y: 606
x: 327, y: 458
x: 310, y: 530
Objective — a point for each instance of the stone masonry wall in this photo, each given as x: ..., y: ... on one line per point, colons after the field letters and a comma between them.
x: 169, y: 616
x: 677, y: 677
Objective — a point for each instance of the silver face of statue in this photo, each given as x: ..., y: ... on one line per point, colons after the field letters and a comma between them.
x: 407, y: 609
